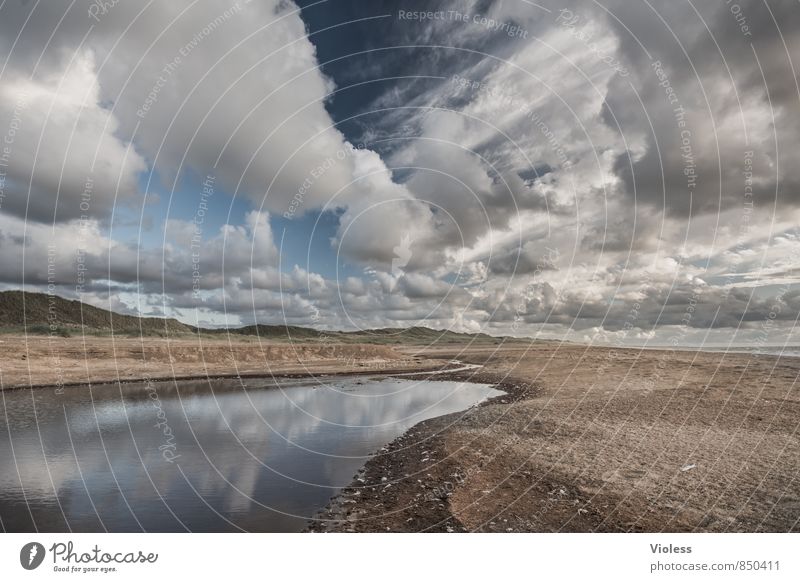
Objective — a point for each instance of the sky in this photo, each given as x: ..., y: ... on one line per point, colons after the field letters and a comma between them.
x: 608, y: 171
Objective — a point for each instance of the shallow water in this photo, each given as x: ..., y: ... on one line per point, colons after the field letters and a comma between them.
x: 199, y: 455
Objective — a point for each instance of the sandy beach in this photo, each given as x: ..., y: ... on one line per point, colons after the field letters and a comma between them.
x: 595, y: 439
x: 53, y: 361
x: 585, y: 439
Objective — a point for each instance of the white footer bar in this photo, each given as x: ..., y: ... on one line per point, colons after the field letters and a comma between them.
x: 401, y: 557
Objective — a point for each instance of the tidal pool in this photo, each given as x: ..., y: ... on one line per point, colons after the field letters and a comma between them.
x: 225, y: 455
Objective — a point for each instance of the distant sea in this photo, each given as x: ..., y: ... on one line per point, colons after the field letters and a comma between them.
x: 782, y: 351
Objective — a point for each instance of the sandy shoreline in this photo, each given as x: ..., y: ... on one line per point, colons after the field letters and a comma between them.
x: 440, y: 367
x: 586, y: 438
x: 44, y: 362
x: 595, y: 439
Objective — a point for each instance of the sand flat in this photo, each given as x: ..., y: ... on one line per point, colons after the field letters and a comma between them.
x: 598, y: 440
x: 38, y: 360
x: 588, y: 438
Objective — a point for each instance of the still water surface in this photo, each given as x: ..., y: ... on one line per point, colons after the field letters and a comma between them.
x: 200, y: 456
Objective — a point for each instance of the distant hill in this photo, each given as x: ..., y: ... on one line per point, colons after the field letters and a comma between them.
x: 420, y: 335
x: 39, y: 313
x: 408, y: 335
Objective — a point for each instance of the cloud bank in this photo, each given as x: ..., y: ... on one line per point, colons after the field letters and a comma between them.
x: 607, y: 172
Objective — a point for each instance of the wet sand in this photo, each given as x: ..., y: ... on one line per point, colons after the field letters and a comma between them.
x: 595, y: 439
x: 586, y: 439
